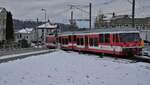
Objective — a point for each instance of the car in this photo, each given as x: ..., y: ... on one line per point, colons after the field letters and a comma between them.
x: 146, y: 52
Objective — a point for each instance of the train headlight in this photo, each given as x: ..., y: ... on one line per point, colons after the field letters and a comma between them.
x: 142, y: 44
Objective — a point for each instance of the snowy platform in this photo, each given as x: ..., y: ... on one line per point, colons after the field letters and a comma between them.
x: 71, y: 68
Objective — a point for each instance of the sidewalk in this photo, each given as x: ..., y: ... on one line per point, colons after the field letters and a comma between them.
x: 22, y: 53
x: 4, y: 52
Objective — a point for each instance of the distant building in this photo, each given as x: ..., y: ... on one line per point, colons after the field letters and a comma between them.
x: 25, y: 34
x: 124, y: 21
x: 100, y: 22
x: 3, y: 17
x: 44, y: 30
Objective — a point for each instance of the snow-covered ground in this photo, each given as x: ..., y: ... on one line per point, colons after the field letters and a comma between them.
x: 71, y: 68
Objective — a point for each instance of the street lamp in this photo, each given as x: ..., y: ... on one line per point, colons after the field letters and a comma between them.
x: 45, y: 24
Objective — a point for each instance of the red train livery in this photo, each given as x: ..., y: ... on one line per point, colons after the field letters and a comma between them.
x: 120, y: 42
x: 51, y: 41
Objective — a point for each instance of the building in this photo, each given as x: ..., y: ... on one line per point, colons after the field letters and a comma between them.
x: 100, y: 21
x: 3, y: 19
x: 25, y: 34
x: 44, y: 30
x: 124, y: 21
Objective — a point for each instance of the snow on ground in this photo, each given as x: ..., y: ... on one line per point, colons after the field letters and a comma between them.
x: 71, y: 68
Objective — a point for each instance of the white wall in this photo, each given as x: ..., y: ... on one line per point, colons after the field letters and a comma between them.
x: 145, y: 34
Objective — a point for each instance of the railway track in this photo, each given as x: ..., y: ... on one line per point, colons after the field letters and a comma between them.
x: 144, y: 59
x: 140, y: 59
x: 135, y: 58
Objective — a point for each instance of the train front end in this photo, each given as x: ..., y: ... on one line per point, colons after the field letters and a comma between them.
x: 131, y: 43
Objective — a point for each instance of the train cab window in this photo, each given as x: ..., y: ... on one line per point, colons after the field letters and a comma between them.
x: 129, y: 37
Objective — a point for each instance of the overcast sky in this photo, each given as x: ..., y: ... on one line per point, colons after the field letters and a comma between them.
x: 31, y: 9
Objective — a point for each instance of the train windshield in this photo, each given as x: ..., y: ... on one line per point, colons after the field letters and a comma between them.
x: 129, y: 37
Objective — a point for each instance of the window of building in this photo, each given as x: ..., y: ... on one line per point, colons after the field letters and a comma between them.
x: 20, y: 35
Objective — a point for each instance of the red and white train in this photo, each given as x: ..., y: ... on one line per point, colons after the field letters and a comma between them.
x: 122, y: 42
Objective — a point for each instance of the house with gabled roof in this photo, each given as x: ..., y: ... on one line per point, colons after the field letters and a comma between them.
x: 44, y: 30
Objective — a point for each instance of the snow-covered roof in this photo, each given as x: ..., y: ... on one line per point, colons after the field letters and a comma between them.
x: 120, y: 17
x: 26, y: 30
x: 1, y: 9
x: 100, y: 30
x: 47, y: 25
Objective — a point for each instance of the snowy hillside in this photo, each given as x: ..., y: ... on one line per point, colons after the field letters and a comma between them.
x: 71, y: 68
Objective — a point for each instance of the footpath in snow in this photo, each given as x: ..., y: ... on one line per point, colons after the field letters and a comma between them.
x: 71, y: 68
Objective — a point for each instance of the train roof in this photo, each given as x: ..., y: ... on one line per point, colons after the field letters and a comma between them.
x: 103, y: 31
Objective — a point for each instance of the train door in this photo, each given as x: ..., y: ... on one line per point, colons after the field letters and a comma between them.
x: 105, y: 43
x: 116, y: 43
x: 86, y: 41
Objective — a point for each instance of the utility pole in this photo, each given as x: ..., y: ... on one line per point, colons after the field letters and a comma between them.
x: 44, y: 33
x: 71, y: 18
x: 133, y: 13
x: 90, y: 16
x: 72, y: 21
x: 37, y: 35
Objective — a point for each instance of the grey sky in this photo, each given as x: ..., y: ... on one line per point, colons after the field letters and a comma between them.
x: 31, y: 9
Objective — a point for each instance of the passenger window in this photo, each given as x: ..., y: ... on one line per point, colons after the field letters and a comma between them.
x: 95, y: 41
x: 66, y: 41
x: 69, y: 38
x: 91, y: 41
x: 107, y: 38
x: 82, y: 42
x: 77, y: 41
x: 101, y: 38
x: 60, y: 40
x: 74, y: 38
